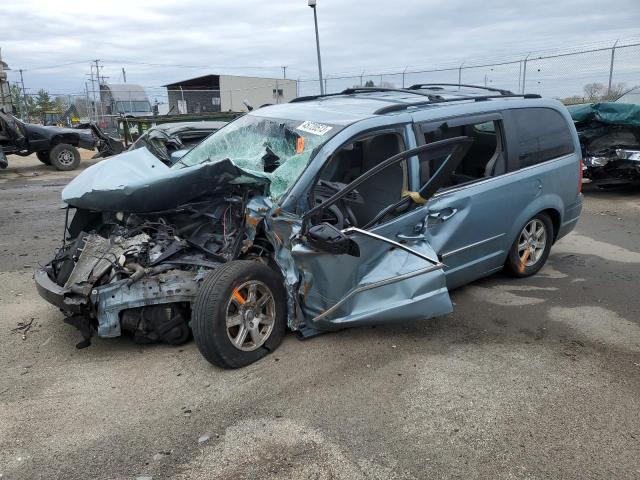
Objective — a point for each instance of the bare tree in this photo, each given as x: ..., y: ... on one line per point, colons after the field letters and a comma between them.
x: 617, y: 89
x: 593, y: 91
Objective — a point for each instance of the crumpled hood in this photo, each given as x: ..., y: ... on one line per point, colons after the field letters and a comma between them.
x: 136, y: 181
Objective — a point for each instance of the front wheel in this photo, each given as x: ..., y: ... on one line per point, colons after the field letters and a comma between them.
x: 64, y: 157
x: 239, y: 314
x: 531, y: 248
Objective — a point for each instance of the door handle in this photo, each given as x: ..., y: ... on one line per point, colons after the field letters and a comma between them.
x: 410, y: 238
x: 442, y: 216
x: 447, y: 216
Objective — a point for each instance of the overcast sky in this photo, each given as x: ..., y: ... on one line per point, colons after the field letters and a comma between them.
x: 256, y: 37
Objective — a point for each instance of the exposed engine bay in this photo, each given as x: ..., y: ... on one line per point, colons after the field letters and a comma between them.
x: 118, y: 265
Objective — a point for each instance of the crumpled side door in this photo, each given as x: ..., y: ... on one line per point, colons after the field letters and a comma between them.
x: 391, y: 273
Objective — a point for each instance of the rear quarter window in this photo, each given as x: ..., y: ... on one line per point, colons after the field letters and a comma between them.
x: 542, y: 134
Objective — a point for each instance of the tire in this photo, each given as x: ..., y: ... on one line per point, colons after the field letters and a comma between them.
x: 64, y: 157
x: 537, y: 256
x: 226, y: 293
x: 44, y: 157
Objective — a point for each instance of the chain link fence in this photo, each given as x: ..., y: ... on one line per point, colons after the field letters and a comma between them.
x: 564, y: 75
x: 588, y: 74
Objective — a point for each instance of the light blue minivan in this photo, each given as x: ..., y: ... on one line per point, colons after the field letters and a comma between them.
x: 328, y: 212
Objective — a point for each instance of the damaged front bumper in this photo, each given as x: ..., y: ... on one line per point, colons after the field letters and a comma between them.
x: 61, y: 297
x: 103, y: 307
x: 622, y: 166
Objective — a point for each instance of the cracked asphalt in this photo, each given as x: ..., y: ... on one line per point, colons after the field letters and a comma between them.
x: 535, y: 378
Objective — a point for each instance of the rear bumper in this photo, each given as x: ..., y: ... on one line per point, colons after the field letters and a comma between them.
x: 571, y: 217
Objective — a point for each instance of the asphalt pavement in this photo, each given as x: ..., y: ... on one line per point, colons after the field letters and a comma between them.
x: 534, y: 378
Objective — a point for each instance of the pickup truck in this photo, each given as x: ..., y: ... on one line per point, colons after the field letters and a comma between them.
x: 53, y: 145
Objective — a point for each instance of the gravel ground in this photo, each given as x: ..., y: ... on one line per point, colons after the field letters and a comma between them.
x: 534, y: 378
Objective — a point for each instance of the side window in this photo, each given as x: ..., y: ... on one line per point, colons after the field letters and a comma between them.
x: 542, y: 135
x: 484, y: 159
x: 377, y: 192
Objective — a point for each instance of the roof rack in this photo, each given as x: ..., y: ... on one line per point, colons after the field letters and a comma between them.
x: 403, y: 106
x: 437, y: 86
x: 351, y: 91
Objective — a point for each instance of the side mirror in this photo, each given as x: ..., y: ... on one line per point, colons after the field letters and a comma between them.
x: 327, y: 238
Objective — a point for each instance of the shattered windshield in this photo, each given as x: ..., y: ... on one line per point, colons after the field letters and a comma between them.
x: 274, y: 148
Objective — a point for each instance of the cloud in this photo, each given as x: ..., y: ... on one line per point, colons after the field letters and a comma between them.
x: 255, y: 37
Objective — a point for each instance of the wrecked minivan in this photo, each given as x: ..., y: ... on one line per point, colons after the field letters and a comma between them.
x: 328, y: 212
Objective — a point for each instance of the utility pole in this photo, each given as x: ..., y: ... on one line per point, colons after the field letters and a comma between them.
x: 88, y: 104
x: 613, y: 53
x: 94, y: 113
x: 124, y: 75
x: 97, y: 94
x: 524, y: 72
x: 284, y: 71
x: 24, y: 96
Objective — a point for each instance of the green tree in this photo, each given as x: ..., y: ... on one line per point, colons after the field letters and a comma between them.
x: 43, y: 103
x: 369, y: 83
x: 18, y: 100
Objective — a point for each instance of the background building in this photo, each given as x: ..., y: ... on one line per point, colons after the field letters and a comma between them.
x: 222, y: 93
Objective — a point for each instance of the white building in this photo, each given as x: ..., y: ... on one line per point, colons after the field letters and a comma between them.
x: 223, y: 93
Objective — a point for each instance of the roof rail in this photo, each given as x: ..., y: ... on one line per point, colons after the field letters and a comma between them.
x: 403, y: 106
x: 419, y: 86
x: 351, y: 91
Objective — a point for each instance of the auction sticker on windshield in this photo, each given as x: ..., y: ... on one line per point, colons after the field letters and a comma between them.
x: 315, y: 128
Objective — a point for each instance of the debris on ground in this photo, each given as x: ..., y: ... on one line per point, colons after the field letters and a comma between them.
x: 24, y: 327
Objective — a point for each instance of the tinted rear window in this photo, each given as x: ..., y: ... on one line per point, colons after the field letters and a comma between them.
x: 542, y: 135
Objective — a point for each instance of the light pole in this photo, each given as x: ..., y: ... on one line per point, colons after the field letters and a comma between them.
x: 312, y: 4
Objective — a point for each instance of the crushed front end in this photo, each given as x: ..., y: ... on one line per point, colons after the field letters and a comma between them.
x: 139, y: 272
x: 609, y: 135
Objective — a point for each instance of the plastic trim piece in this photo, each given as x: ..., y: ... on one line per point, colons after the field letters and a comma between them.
x: 467, y: 247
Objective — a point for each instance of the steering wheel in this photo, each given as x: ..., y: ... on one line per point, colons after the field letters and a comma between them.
x: 333, y: 216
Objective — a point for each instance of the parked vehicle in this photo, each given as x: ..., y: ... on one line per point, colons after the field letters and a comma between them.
x: 53, y: 145
x: 170, y: 141
x: 610, y: 139
x: 328, y: 212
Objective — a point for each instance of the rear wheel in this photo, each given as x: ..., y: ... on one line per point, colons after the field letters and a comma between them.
x: 64, y: 157
x: 239, y: 314
x: 531, y: 248
x: 44, y: 157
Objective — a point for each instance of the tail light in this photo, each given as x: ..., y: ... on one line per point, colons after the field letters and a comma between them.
x: 580, y: 176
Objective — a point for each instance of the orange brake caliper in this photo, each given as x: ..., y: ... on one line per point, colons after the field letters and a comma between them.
x: 238, y: 297
x: 523, y: 260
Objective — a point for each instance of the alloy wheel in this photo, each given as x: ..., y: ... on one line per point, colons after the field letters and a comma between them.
x: 531, y: 243
x: 65, y: 157
x: 251, y: 314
